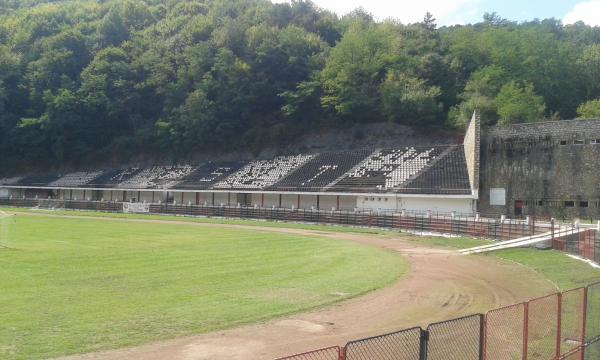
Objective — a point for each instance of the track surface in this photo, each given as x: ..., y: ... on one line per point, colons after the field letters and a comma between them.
x: 439, y: 286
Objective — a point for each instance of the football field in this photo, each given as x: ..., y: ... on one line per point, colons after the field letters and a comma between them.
x: 75, y: 285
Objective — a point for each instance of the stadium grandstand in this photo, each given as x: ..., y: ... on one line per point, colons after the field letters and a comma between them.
x: 416, y: 178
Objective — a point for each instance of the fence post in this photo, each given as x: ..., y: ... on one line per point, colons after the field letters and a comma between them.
x: 424, y: 342
x: 343, y: 353
x: 558, y: 324
x: 582, y: 323
x: 483, y: 337
x: 525, y: 330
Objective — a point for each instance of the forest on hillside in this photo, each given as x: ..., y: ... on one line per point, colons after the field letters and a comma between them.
x: 82, y: 81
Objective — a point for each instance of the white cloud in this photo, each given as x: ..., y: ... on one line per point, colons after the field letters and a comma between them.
x: 587, y: 11
x: 447, y: 12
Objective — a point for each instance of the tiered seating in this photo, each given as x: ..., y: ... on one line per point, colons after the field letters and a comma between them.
x: 387, y: 169
x: 263, y: 173
x: 113, y: 178
x: 11, y: 180
x: 38, y: 180
x: 207, y: 175
x: 322, y: 170
x: 427, y: 170
x: 448, y: 174
x: 75, y: 179
x: 161, y: 177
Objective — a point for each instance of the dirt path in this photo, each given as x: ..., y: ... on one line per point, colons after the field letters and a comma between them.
x: 440, y: 285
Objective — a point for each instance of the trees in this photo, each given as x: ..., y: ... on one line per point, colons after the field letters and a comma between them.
x: 589, y: 110
x: 409, y: 100
x: 83, y: 80
x: 517, y: 103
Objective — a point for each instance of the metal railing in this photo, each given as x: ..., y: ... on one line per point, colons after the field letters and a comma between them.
x: 561, y: 326
x: 461, y: 225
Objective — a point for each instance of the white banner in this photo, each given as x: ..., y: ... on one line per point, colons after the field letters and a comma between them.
x: 136, y: 207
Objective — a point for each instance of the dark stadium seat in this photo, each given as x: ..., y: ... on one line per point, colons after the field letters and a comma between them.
x: 112, y: 178
x: 321, y: 171
x: 447, y: 175
x: 261, y: 174
x: 387, y: 169
x: 157, y: 177
x: 206, y: 175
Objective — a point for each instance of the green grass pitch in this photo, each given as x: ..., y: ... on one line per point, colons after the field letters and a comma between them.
x: 78, y: 285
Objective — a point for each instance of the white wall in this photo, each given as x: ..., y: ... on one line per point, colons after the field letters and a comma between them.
x: 221, y: 198
x: 434, y: 204
x: 383, y: 202
x: 348, y: 202
x: 3, y: 193
x: 308, y: 201
x: 445, y: 205
x: 78, y: 195
x: 147, y: 196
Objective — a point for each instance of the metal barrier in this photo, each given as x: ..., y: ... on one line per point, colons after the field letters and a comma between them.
x: 571, y: 321
x: 585, y: 244
x: 592, y: 312
x: 504, y: 333
x: 542, y: 328
x: 401, y: 345
x: 458, y: 339
x: 592, y: 350
x: 330, y: 353
x: 420, y: 223
x: 561, y: 326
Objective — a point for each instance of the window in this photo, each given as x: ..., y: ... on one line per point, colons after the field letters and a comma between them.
x: 554, y: 203
x: 578, y: 142
x: 584, y: 204
x: 595, y: 141
x: 563, y: 142
x: 569, y: 204
x: 540, y: 203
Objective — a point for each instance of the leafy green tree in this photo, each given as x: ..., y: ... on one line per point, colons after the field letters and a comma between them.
x: 88, y: 80
x: 589, y: 64
x: 409, y: 100
x: 356, y: 68
x: 518, y: 103
x: 479, y: 94
x: 589, y: 110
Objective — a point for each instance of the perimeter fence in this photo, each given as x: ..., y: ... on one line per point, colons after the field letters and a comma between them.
x: 427, y: 222
x: 584, y: 244
x: 561, y: 326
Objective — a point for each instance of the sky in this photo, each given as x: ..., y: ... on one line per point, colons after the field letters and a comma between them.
x: 450, y: 12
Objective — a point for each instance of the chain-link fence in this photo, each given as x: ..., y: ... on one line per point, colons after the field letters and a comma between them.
x: 562, y: 326
x: 542, y: 328
x: 592, y: 350
x: 504, y: 333
x: 330, y: 353
x: 401, y: 345
x: 458, y: 339
x: 571, y: 320
x: 592, y: 316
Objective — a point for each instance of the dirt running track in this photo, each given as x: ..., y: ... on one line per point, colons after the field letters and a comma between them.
x: 440, y: 285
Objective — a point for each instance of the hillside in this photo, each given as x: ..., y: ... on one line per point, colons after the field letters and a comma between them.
x: 118, y: 81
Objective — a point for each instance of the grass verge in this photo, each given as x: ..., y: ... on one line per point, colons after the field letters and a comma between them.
x: 81, y: 285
